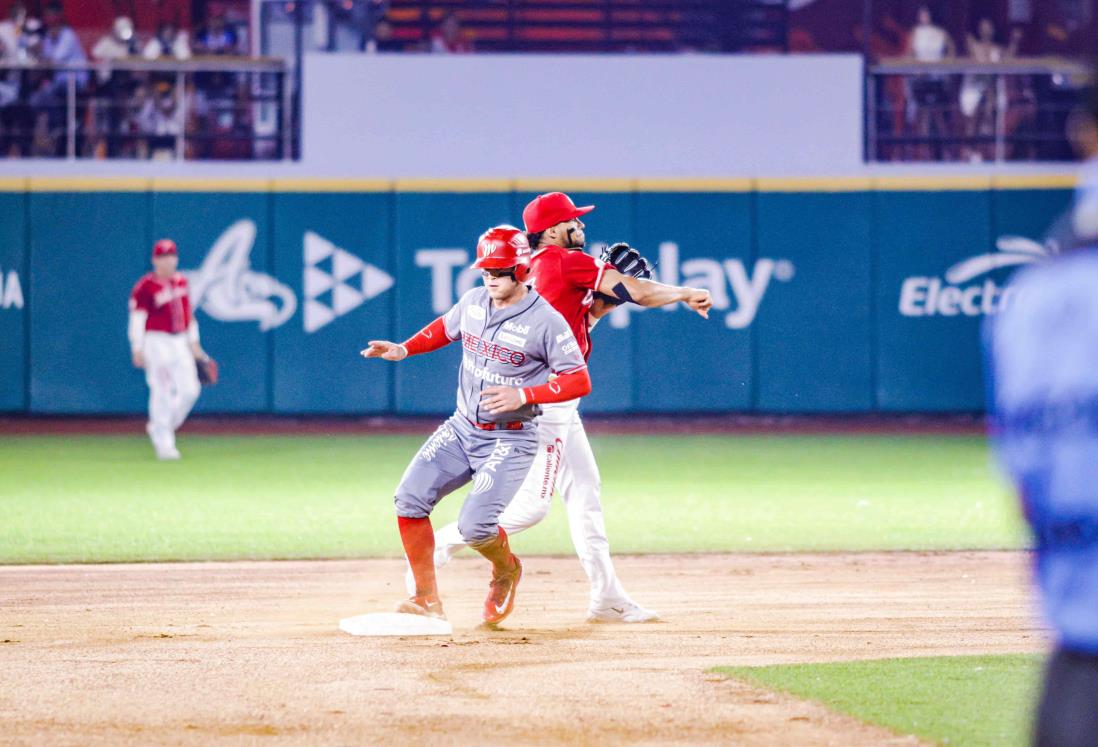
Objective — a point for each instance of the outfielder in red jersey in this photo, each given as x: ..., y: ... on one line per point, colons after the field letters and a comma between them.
x: 582, y: 289
x: 164, y: 341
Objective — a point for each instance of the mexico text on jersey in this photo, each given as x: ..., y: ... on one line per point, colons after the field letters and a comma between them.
x: 516, y: 346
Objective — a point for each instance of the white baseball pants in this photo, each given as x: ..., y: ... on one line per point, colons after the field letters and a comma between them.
x: 173, y: 383
x: 564, y: 458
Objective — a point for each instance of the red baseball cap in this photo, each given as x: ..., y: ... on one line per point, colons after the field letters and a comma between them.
x: 165, y: 246
x: 546, y: 211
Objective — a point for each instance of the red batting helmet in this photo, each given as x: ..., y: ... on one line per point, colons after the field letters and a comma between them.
x: 164, y: 246
x: 503, y: 247
x: 546, y: 211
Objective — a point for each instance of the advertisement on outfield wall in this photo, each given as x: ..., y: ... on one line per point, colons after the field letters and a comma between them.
x: 13, y: 302
x: 823, y: 302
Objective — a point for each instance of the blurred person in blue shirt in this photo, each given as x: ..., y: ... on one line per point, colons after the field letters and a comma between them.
x: 1043, y: 366
x: 60, y: 45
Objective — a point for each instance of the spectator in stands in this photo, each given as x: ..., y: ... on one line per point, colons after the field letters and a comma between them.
x: 217, y: 38
x: 60, y: 45
x: 449, y: 38
x: 119, y: 43
x: 49, y: 92
x: 10, y: 31
x: 107, y: 110
x: 12, y: 113
x: 159, y: 119
x: 30, y: 42
x: 169, y: 42
x: 384, y: 39
x: 349, y: 24
x: 978, y: 105
x: 930, y: 43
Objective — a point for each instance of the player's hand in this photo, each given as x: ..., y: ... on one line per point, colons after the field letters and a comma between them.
x: 138, y: 359
x: 497, y: 399
x: 699, y: 300
x: 385, y: 350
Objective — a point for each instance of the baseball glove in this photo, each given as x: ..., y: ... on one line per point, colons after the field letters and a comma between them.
x: 207, y: 371
x: 627, y: 261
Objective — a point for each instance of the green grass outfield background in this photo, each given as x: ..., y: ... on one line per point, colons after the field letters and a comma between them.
x: 100, y: 498
x: 958, y: 700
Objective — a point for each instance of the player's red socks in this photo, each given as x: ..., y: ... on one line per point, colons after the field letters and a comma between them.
x: 498, y: 551
x: 418, y: 537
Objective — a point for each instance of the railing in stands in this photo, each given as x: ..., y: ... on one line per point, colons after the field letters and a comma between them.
x: 964, y: 111
x: 203, y: 109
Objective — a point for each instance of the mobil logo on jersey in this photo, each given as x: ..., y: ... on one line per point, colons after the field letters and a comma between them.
x: 738, y: 287
x: 975, y: 286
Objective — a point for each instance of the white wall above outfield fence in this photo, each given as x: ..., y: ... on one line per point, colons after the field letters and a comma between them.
x: 603, y: 116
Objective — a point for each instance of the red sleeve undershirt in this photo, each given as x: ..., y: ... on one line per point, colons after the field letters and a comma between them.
x: 565, y: 387
x: 432, y: 337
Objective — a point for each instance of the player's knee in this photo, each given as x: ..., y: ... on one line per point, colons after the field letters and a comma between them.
x: 474, y: 530
x: 411, y: 506
x: 190, y: 389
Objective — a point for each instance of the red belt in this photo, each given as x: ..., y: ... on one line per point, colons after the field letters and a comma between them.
x: 514, y: 425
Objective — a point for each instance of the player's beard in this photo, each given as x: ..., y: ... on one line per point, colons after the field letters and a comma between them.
x: 570, y: 240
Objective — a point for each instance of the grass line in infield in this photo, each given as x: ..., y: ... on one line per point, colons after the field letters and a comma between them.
x: 955, y: 700
x: 106, y: 499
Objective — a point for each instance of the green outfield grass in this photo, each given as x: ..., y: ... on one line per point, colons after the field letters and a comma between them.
x: 96, y: 498
x: 955, y: 700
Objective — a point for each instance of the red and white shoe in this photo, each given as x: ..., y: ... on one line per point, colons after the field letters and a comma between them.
x: 501, y: 594
x: 426, y: 606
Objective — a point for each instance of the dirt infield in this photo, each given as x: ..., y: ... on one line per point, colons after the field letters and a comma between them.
x: 249, y: 653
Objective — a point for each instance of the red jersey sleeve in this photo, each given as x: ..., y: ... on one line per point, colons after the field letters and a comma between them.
x: 583, y: 270
x: 141, y: 297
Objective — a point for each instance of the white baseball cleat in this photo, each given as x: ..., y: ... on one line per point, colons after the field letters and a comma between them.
x: 162, y: 444
x: 622, y: 612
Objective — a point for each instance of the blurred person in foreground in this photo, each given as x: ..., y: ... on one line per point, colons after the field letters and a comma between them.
x: 1043, y: 365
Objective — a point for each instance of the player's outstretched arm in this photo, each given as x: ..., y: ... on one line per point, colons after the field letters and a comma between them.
x: 651, y: 293
x: 431, y: 337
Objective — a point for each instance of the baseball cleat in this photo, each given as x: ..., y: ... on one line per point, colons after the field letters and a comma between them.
x: 501, y: 594
x: 623, y: 612
x: 422, y: 606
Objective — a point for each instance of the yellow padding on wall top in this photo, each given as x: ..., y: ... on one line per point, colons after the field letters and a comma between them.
x: 897, y: 183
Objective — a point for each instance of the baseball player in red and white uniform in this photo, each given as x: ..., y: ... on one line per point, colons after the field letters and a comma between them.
x: 571, y: 281
x: 164, y: 341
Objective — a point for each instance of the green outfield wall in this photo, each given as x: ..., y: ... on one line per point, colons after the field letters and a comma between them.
x: 836, y: 296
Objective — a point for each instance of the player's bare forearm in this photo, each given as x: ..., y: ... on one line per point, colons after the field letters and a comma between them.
x: 389, y: 351
x: 651, y: 293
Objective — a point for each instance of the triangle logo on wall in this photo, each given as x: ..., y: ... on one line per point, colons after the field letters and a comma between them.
x: 331, y: 293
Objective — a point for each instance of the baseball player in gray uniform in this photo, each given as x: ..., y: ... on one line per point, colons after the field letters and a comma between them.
x: 512, y: 341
